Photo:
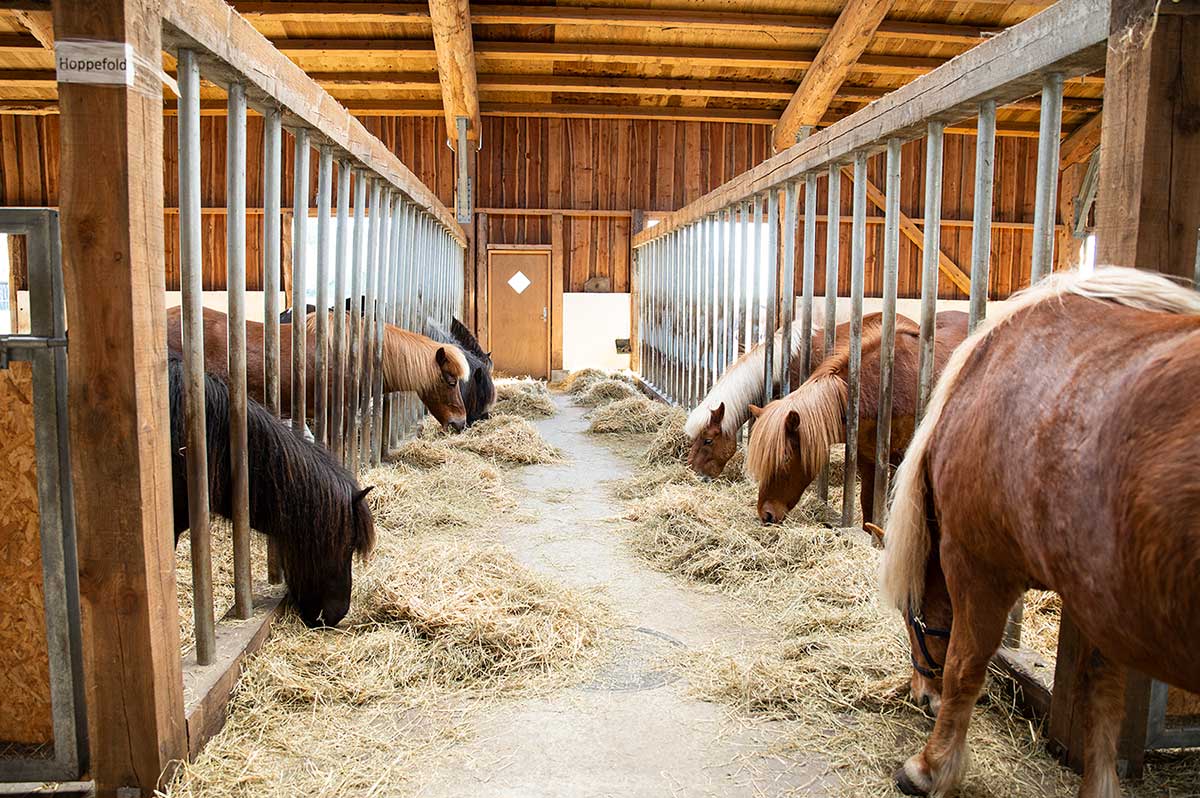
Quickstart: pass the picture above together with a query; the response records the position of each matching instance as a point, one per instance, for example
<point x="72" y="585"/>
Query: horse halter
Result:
<point x="920" y="631"/>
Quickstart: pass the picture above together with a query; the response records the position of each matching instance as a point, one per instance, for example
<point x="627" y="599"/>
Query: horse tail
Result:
<point x="906" y="539"/>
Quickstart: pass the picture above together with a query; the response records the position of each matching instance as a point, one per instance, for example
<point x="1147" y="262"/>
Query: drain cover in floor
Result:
<point x="638" y="663"/>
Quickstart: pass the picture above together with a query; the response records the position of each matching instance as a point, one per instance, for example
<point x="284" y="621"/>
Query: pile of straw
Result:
<point x="524" y="397"/>
<point x="222" y="576"/>
<point x="669" y="445"/>
<point x="579" y="381"/>
<point x="606" y="391"/>
<point x="503" y="439"/>
<point x="634" y="415"/>
<point x="1039" y="626"/>
<point x="443" y="622"/>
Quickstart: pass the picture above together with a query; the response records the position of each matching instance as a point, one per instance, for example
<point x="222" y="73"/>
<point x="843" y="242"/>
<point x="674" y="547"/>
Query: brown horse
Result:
<point x="411" y="362"/>
<point x="791" y="438"/>
<point x="1061" y="450"/>
<point x="712" y="427"/>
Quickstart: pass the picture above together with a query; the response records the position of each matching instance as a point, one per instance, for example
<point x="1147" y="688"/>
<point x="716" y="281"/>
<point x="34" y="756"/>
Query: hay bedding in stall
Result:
<point x="221" y="531"/>
<point x="524" y="397"/>
<point x="443" y="623"/>
<point x="502" y="439"/>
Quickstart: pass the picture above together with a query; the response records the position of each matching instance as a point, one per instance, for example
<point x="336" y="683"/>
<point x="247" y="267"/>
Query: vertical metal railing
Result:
<point x="375" y="257"/>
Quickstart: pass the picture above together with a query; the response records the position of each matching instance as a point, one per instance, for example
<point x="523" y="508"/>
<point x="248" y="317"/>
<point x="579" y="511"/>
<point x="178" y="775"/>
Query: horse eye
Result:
<point x="708" y="441"/>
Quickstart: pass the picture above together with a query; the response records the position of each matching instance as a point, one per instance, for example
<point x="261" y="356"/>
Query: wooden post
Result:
<point x="112" y="247"/>
<point x="1148" y="201"/>
<point x="481" y="281"/>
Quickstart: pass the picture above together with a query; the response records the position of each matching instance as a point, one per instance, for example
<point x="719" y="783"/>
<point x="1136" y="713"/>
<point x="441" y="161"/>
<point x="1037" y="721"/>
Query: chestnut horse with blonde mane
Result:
<point x="411" y="362"/>
<point x="1061" y="450"/>
<point x="792" y="436"/>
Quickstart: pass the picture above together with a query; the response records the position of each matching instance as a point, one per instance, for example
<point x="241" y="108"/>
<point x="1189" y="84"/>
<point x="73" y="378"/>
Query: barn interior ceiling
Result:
<point x="716" y="60"/>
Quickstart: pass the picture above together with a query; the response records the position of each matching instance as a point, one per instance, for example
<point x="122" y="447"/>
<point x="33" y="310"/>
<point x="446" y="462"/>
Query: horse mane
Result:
<point x="478" y="392"/>
<point x="409" y="359"/>
<point x="467" y="340"/>
<point x="295" y="485"/>
<point x="820" y="404"/>
<point x="741" y="384"/>
<point x="906" y="540"/>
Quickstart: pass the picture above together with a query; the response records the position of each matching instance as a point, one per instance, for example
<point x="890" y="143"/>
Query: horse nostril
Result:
<point x="768" y="517"/>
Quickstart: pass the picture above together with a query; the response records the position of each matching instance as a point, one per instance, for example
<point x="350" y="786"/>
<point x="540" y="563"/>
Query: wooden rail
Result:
<point x="1068" y="38"/>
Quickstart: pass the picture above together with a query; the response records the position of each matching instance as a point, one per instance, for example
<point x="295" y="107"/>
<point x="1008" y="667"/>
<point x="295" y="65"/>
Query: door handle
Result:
<point x="545" y="315"/>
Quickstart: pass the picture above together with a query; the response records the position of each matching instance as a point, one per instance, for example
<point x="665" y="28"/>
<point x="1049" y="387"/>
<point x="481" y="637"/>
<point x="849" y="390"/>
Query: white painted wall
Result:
<point x="218" y="300"/>
<point x="591" y="325"/>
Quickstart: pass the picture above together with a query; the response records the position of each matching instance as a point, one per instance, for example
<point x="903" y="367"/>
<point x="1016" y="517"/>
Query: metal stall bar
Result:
<point x="833" y="222"/>
<point x="858" y="258"/>
<point x="337" y="313"/>
<point x="376" y="263"/>
<point x="366" y="248"/>
<point x="704" y="318"/>
<point x="887" y="344"/>
<point x="929" y="264"/>
<point x="652" y="330"/>
<point x="686" y="361"/>
<point x="299" y="384"/>
<point x="747" y="253"/>
<point x="386" y="316"/>
<point x="981" y="226"/>
<point x="399" y="270"/>
<point x="695" y="273"/>
<point x="729" y="266"/>
<point x="755" y="255"/>
<point x="191" y="273"/>
<point x="772" y="321"/>
<point x="808" y="279"/>
<point x="787" y="304"/>
<point x="235" y="265"/>
<point x="1045" y="200"/>
<point x="272" y="167"/>
<point x="373" y="396"/>
<point x="325" y="238"/>
<point x="349" y="319"/>
<point x="676" y="301"/>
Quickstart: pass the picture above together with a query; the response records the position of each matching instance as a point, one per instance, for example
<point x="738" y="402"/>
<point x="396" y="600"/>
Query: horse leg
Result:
<point x="1102" y="686"/>
<point x="866" y="489"/>
<point x="981" y="599"/>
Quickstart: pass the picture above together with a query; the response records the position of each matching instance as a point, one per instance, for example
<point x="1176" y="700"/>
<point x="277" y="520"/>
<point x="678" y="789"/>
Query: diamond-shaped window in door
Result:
<point x="519" y="282"/>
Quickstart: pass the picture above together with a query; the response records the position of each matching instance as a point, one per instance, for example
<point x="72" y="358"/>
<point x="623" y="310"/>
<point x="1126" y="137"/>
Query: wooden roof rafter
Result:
<point x="454" y="44"/>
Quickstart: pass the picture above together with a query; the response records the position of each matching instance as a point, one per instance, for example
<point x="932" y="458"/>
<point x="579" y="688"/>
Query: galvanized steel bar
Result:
<point x="271" y="227"/>
<point x="887" y="344"/>
<point x="191" y="272"/>
<point x="360" y="313"/>
<point x="747" y="270"/>
<point x="325" y="241"/>
<point x="773" y="263"/>
<point x="729" y="266"/>
<point x="858" y="257"/>
<point x="981" y="226"/>
<point x="1045" y="200"/>
<point x="929" y="264"/>
<point x="757" y="266"/>
<point x="337" y="316"/>
<point x="235" y="265"/>
<point x="373" y="402"/>
<point x="299" y="385"/>
<point x="787" y="303"/>
<point x="809" y="277"/>
<point x="359" y="263"/>
<point x="832" y="267"/>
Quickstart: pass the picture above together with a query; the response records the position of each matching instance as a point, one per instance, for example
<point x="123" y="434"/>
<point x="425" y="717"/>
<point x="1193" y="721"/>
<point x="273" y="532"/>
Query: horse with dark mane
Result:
<point x="1061" y="450"/>
<point x="299" y="497"/>
<point x="411" y="362"/>
<point x="791" y="438"/>
<point x="478" y="390"/>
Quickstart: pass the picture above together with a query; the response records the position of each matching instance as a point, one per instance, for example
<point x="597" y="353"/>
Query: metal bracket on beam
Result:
<point x="463" y="199"/>
<point x="1087" y="196"/>
<point x="21" y="347"/>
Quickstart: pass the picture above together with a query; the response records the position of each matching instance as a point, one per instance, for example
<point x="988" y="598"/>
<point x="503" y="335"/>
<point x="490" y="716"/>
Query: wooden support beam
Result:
<point x="456" y="65"/>
<point x="1078" y="147"/>
<point x="112" y="252"/>
<point x="40" y="24"/>
<point x="1148" y="198"/>
<point x="914" y="233"/>
<point x="847" y="40"/>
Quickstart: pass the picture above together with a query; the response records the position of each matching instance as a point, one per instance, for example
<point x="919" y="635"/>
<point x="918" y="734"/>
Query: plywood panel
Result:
<point x="24" y="664"/>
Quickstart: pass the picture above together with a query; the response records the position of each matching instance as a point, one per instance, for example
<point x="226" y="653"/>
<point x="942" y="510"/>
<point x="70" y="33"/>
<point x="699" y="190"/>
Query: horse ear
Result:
<point x="362" y="494"/>
<point x="441" y="356"/>
<point x="876" y="533"/>
<point x="756" y="411"/>
<point x="792" y="422"/>
<point x="716" y="416"/>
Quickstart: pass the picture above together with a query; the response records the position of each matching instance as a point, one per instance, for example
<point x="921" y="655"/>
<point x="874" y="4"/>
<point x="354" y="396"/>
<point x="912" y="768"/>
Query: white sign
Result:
<point x="94" y="62"/>
<point x="519" y="282"/>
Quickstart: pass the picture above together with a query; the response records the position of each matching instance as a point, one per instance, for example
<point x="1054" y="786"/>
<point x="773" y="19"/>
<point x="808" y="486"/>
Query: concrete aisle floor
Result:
<point x="635" y="731"/>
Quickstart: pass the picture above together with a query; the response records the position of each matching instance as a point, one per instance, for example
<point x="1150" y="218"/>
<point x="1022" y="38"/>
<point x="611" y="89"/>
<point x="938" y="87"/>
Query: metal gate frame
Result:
<point x="46" y="348"/>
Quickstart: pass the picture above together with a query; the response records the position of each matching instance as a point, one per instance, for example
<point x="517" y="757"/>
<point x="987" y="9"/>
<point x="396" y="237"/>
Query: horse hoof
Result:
<point x="905" y="784"/>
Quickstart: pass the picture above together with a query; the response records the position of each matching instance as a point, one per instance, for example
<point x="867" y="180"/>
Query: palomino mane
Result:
<point x="906" y="540"/>
<point x="741" y="384"/>
<point x="409" y="358"/>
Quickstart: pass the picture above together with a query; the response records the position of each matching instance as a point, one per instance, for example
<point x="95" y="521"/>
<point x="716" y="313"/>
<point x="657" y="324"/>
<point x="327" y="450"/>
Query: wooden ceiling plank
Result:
<point x="454" y="42"/>
<point x="839" y="53"/>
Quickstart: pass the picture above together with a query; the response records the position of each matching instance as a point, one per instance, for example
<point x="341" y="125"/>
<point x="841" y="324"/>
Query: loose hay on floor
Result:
<point x="222" y="576"/>
<point x="607" y="391"/>
<point x="670" y="445"/>
<point x="633" y="415"/>
<point x="523" y="397"/>
<point x="502" y="439"/>
<point x="580" y="380"/>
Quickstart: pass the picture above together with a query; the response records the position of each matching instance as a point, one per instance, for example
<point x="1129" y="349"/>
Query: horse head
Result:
<point x="711" y="447"/>
<point x="321" y="594"/>
<point x="790" y="443"/>
<point x="442" y="396"/>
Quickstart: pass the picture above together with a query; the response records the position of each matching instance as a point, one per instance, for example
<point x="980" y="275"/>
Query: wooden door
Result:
<point x="519" y="311"/>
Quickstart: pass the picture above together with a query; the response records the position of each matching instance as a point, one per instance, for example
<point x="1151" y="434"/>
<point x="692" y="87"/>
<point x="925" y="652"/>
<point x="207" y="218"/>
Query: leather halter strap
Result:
<point x="921" y="631"/>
